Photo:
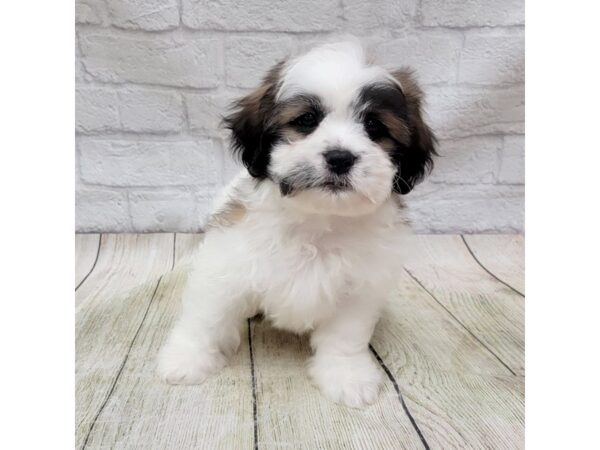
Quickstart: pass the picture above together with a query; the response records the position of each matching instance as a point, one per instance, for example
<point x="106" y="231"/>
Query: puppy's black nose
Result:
<point x="339" y="161"/>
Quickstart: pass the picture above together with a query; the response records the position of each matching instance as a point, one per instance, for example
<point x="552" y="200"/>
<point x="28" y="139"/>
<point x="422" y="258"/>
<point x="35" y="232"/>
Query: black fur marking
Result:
<point x="251" y="142"/>
<point x="413" y="164"/>
<point x="306" y="123"/>
<point x="301" y="177"/>
<point x="412" y="151"/>
<point x="251" y="136"/>
<point x="374" y="128"/>
<point x="382" y="96"/>
<point x="285" y="188"/>
<point x="311" y="114"/>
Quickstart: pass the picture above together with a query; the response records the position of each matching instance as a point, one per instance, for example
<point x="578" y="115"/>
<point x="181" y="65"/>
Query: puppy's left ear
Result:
<point x="251" y="137"/>
<point x="415" y="160"/>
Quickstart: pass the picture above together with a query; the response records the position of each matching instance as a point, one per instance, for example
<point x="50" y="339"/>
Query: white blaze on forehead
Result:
<point x="333" y="72"/>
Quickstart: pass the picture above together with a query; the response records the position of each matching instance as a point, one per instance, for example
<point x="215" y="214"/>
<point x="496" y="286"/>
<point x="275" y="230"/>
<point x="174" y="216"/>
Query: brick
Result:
<point x="493" y="57"/>
<point x="131" y="109"/>
<point x="206" y="110"/>
<point x="99" y="209"/>
<point x="473" y="13"/>
<point x="466" y="208"/>
<point x="360" y="15"/>
<point x="151" y="110"/>
<point x="468" y="55"/>
<point x="90" y="12"/>
<point x="144" y="14"/>
<point x="80" y="74"/>
<point x="173" y="61"/>
<point x="261" y="15"/>
<point x="79" y="71"/>
<point x="467" y="161"/>
<point x="247" y="60"/>
<point x="460" y="112"/>
<point x="150" y="163"/>
<point x="96" y="109"/>
<point x="231" y="166"/>
<point x="204" y="207"/>
<point x="433" y="55"/>
<point x="512" y="166"/>
<point x="155" y="211"/>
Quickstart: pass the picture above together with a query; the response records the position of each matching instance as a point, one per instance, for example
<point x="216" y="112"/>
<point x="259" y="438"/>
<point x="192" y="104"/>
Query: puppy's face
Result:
<point x="336" y="134"/>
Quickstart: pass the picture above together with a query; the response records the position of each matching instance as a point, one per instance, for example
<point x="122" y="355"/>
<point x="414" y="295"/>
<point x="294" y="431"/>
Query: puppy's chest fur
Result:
<point x="301" y="268"/>
<point x="304" y="271"/>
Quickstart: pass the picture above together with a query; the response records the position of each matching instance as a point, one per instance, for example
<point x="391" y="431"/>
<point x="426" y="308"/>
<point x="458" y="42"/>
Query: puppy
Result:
<point x="310" y="234"/>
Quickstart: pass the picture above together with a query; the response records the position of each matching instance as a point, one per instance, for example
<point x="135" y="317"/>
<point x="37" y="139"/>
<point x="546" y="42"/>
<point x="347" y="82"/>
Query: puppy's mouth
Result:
<point x="333" y="185"/>
<point x="336" y="185"/>
<point x="305" y="178"/>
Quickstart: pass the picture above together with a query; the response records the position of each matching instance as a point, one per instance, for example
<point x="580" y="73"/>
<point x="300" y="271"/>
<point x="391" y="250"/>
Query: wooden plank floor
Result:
<point x="451" y="346"/>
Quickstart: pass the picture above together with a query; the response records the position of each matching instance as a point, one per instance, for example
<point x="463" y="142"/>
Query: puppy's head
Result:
<point x="335" y="133"/>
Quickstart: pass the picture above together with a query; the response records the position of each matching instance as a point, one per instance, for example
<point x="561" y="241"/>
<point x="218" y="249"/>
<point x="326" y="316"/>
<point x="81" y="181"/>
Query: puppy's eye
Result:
<point x="374" y="128"/>
<point x="306" y="120"/>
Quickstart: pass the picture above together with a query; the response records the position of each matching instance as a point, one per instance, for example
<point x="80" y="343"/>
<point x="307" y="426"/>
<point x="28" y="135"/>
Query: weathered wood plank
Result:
<point x="491" y="311"/>
<point x="459" y="394"/>
<point x="125" y="261"/>
<point x="292" y="413"/>
<point x="426" y="336"/>
<point x="501" y="254"/>
<point x="110" y="306"/>
<point x="442" y="351"/>
<point x="86" y="252"/>
<point x="465" y="411"/>
<point x="144" y="412"/>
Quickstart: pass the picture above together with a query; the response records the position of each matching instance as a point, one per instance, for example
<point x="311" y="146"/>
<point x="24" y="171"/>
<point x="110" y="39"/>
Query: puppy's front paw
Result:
<point x="178" y="364"/>
<point x="350" y="380"/>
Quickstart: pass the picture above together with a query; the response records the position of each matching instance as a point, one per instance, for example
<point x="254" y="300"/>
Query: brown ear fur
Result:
<point x="252" y="138"/>
<point x="416" y="160"/>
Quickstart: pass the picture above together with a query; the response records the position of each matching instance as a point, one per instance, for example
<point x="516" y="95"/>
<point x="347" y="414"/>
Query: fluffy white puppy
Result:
<point x="311" y="233"/>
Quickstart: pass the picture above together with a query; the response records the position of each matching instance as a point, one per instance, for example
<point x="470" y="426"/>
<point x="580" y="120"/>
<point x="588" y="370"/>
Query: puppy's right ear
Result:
<point x="251" y="134"/>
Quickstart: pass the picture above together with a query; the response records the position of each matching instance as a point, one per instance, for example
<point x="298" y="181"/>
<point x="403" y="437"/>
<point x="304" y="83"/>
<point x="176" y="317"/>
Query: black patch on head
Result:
<point x="416" y="159"/>
<point x="252" y="136"/>
<point x="392" y="115"/>
<point x="382" y="109"/>
<point x="374" y="127"/>
<point x="381" y="97"/>
<point x="308" y="113"/>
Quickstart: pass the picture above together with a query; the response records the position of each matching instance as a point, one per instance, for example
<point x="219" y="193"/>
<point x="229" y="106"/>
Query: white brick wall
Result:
<point x="154" y="76"/>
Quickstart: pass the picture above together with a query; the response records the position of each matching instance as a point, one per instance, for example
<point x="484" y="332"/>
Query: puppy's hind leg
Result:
<point x="208" y="329"/>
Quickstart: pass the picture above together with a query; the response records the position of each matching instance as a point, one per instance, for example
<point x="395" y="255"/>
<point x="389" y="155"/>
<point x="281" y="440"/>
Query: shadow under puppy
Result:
<point x="311" y="234"/>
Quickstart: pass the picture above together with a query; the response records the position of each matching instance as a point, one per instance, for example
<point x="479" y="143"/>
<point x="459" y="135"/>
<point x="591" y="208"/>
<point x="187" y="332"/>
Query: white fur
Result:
<point x="319" y="262"/>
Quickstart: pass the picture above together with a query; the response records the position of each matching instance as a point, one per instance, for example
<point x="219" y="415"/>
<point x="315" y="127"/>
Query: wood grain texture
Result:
<point x="144" y="412"/>
<point x="125" y="262"/>
<point x="110" y="307"/>
<point x="492" y="312"/>
<point x="503" y="255"/>
<point x="426" y="336"/>
<point x="451" y="338"/>
<point x="458" y="393"/>
<point x="292" y="413"/>
<point x="86" y="253"/>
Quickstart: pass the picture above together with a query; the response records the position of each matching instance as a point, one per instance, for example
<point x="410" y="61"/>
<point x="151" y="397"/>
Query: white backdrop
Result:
<point x="153" y="76"/>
